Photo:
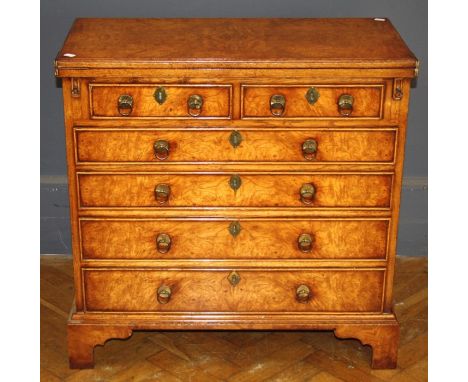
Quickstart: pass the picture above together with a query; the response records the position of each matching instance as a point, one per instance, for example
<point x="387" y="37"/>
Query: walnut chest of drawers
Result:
<point x="234" y="174"/>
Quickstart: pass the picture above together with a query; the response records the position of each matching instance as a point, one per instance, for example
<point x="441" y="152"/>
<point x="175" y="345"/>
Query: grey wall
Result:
<point x="409" y="17"/>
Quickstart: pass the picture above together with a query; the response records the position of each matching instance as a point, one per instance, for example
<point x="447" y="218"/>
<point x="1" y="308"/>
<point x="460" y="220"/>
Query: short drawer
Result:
<point x="154" y="239"/>
<point x="313" y="102"/>
<point x="143" y="101"/>
<point x="331" y="290"/>
<point x="135" y="145"/>
<point x="234" y="190"/>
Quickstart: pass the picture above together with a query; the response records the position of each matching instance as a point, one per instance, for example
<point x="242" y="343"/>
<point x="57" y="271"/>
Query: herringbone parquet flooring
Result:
<point x="233" y="356"/>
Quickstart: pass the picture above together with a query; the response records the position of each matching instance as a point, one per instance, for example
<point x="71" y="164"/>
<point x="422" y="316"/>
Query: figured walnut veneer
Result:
<point x="134" y="145"/>
<point x="333" y="290"/>
<point x="234" y="246"/>
<point x="216" y="100"/>
<point x="198" y="190"/>
<point x="272" y="239"/>
<point x="256" y="101"/>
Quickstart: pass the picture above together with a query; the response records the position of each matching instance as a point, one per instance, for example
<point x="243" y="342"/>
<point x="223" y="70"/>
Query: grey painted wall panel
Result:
<point x="412" y="231"/>
<point x="409" y="17"/>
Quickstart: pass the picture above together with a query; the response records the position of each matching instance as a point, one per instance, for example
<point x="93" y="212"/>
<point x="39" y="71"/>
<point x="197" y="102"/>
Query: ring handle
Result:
<point x="164" y="294"/>
<point x="305" y="242"/>
<point x="161" y="149"/>
<point x="163" y="243"/>
<point x="345" y="104"/>
<point x="303" y="294"/>
<point x="195" y="104"/>
<point x="309" y="149"/>
<point x="277" y="104"/>
<point x="125" y="105"/>
<point x="307" y="193"/>
<point x="162" y="192"/>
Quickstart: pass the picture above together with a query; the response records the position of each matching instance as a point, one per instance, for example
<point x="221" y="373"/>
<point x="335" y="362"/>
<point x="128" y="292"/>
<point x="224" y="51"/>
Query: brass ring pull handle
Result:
<point x="164" y="294"/>
<point x="125" y="105"/>
<point x="161" y="149"/>
<point x="163" y="243"/>
<point x="277" y="105"/>
<point x="309" y="149"/>
<point x="305" y="242"/>
<point x="195" y="104"/>
<point x="162" y="192"/>
<point x="307" y="193"/>
<point x="345" y="104"/>
<point x="303" y="293"/>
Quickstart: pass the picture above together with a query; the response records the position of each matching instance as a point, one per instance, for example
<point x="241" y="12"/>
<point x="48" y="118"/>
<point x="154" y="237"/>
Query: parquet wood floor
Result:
<point x="233" y="356"/>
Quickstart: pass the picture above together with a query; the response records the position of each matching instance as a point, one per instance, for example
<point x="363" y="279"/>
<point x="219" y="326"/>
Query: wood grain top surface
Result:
<point x="268" y="43"/>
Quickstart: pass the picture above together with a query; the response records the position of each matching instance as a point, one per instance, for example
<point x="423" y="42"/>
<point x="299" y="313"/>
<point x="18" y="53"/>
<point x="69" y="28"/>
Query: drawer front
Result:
<point x="140" y="101"/>
<point x="332" y="290"/>
<point x="233" y="190"/>
<point x="133" y="145"/>
<point x="244" y="239"/>
<point x="330" y="101"/>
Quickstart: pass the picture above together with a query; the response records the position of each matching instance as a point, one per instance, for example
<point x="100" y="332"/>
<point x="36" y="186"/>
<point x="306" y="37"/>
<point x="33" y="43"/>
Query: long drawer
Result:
<point x="233" y="239"/>
<point x="146" y="145"/>
<point x="341" y="190"/>
<point x="331" y="290"/>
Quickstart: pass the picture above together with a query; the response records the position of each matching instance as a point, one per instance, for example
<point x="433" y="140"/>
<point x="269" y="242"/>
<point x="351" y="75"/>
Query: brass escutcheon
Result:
<point x="234" y="278"/>
<point x="312" y="95"/>
<point x="234" y="228"/>
<point x="235" y="182"/>
<point x="160" y="95"/>
<point x="235" y="139"/>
